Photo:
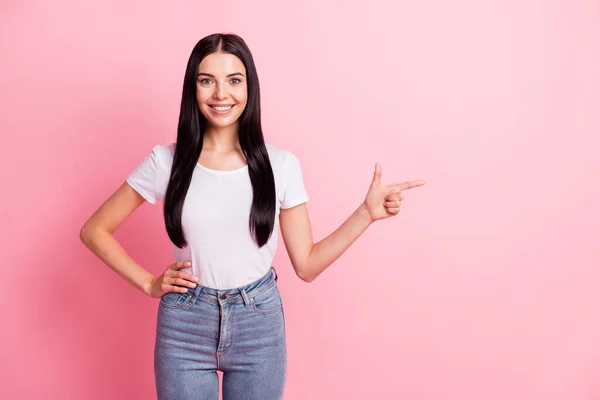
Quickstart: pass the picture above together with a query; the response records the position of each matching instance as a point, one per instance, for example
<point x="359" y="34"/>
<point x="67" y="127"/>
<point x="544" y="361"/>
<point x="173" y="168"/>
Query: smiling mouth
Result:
<point x="222" y="108"/>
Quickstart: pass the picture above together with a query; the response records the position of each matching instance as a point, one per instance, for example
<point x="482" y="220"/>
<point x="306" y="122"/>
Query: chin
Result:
<point x="222" y="122"/>
<point x="221" y="125"/>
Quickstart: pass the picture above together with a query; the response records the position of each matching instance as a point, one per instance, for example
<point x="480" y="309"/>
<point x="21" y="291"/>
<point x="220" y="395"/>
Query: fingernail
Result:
<point x="197" y="279"/>
<point x="187" y="263"/>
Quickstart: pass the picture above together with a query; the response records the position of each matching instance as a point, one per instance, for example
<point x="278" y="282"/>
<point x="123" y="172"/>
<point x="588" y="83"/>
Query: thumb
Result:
<point x="377" y="175"/>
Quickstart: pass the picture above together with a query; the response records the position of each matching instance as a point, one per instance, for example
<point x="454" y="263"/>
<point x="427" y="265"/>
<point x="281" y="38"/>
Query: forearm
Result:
<point x="326" y="251"/>
<point x="108" y="249"/>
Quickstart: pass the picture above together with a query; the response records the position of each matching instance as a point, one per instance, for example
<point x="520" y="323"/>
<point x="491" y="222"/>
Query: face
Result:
<point x="221" y="89"/>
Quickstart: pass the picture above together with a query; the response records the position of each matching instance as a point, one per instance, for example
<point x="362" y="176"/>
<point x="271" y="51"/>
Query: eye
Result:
<point x="205" y="81"/>
<point x="235" y="81"/>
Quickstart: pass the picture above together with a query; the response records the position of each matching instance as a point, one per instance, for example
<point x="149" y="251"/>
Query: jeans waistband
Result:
<point x="242" y="293"/>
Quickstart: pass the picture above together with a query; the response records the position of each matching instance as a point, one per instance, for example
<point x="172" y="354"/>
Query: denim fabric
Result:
<point x="240" y="332"/>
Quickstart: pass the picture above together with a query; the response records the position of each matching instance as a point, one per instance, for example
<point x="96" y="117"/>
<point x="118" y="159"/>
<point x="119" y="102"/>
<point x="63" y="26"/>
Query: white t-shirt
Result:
<point x="216" y="214"/>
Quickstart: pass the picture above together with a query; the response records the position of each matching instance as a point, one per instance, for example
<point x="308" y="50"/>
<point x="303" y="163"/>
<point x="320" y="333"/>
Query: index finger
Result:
<point x="408" y="185"/>
<point x="180" y="264"/>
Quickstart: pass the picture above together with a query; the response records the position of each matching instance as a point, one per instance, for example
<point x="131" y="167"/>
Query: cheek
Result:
<point x="202" y="95"/>
<point x="240" y="96"/>
<point x="242" y="104"/>
<point x="201" y="99"/>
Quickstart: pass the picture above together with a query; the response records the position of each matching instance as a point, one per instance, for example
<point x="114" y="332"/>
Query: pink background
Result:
<point x="487" y="284"/>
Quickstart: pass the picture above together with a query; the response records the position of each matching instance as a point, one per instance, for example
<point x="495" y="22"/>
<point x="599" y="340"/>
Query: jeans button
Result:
<point x="223" y="296"/>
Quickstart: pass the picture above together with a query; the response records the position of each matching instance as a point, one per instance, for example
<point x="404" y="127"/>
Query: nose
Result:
<point x="220" y="91"/>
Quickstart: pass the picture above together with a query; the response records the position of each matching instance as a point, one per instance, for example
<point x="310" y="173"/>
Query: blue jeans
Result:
<point x="240" y="332"/>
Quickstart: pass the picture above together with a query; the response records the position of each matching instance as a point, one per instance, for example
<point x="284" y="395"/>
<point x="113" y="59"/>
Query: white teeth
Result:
<point x="218" y="108"/>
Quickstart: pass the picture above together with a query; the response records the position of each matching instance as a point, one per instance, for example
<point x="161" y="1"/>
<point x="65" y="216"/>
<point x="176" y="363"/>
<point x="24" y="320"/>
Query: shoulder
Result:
<point x="166" y="150"/>
<point x="278" y="156"/>
<point x="163" y="153"/>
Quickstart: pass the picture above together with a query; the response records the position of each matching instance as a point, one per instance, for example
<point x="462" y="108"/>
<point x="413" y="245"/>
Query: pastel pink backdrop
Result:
<point x="487" y="284"/>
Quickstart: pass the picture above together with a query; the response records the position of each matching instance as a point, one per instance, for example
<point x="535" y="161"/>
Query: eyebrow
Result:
<point x="212" y="76"/>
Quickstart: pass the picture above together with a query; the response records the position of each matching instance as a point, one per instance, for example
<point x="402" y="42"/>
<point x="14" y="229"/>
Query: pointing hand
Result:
<point x="384" y="201"/>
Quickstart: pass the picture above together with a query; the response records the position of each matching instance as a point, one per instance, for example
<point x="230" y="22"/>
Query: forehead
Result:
<point x="221" y="64"/>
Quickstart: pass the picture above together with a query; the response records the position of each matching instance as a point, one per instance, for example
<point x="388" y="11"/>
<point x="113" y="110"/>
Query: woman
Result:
<point x="225" y="192"/>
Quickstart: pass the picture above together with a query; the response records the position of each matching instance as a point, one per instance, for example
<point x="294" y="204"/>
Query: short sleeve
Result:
<point x="294" y="192"/>
<point x="144" y="178"/>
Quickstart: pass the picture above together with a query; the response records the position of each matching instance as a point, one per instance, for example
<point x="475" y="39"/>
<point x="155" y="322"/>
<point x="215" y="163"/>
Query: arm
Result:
<point x="311" y="259"/>
<point x="97" y="232"/>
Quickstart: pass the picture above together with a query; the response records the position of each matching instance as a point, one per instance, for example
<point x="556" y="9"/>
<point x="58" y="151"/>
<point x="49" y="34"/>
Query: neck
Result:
<point x="221" y="139"/>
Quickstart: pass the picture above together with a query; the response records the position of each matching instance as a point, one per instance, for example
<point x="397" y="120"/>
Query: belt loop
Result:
<point x="245" y="296"/>
<point x="195" y="295"/>
<point x="273" y="268"/>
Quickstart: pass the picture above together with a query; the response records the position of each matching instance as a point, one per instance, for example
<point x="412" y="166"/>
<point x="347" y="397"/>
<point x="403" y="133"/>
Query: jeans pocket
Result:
<point x="174" y="299"/>
<point x="267" y="302"/>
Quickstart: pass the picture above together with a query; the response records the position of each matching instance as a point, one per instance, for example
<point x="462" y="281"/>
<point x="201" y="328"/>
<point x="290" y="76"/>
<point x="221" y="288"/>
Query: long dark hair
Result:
<point x="190" y="135"/>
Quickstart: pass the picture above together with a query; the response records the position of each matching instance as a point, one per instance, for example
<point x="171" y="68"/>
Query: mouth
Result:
<point x="221" y="109"/>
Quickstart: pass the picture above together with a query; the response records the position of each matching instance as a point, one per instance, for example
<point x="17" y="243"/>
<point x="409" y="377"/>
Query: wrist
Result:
<point x="147" y="285"/>
<point x="363" y="213"/>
